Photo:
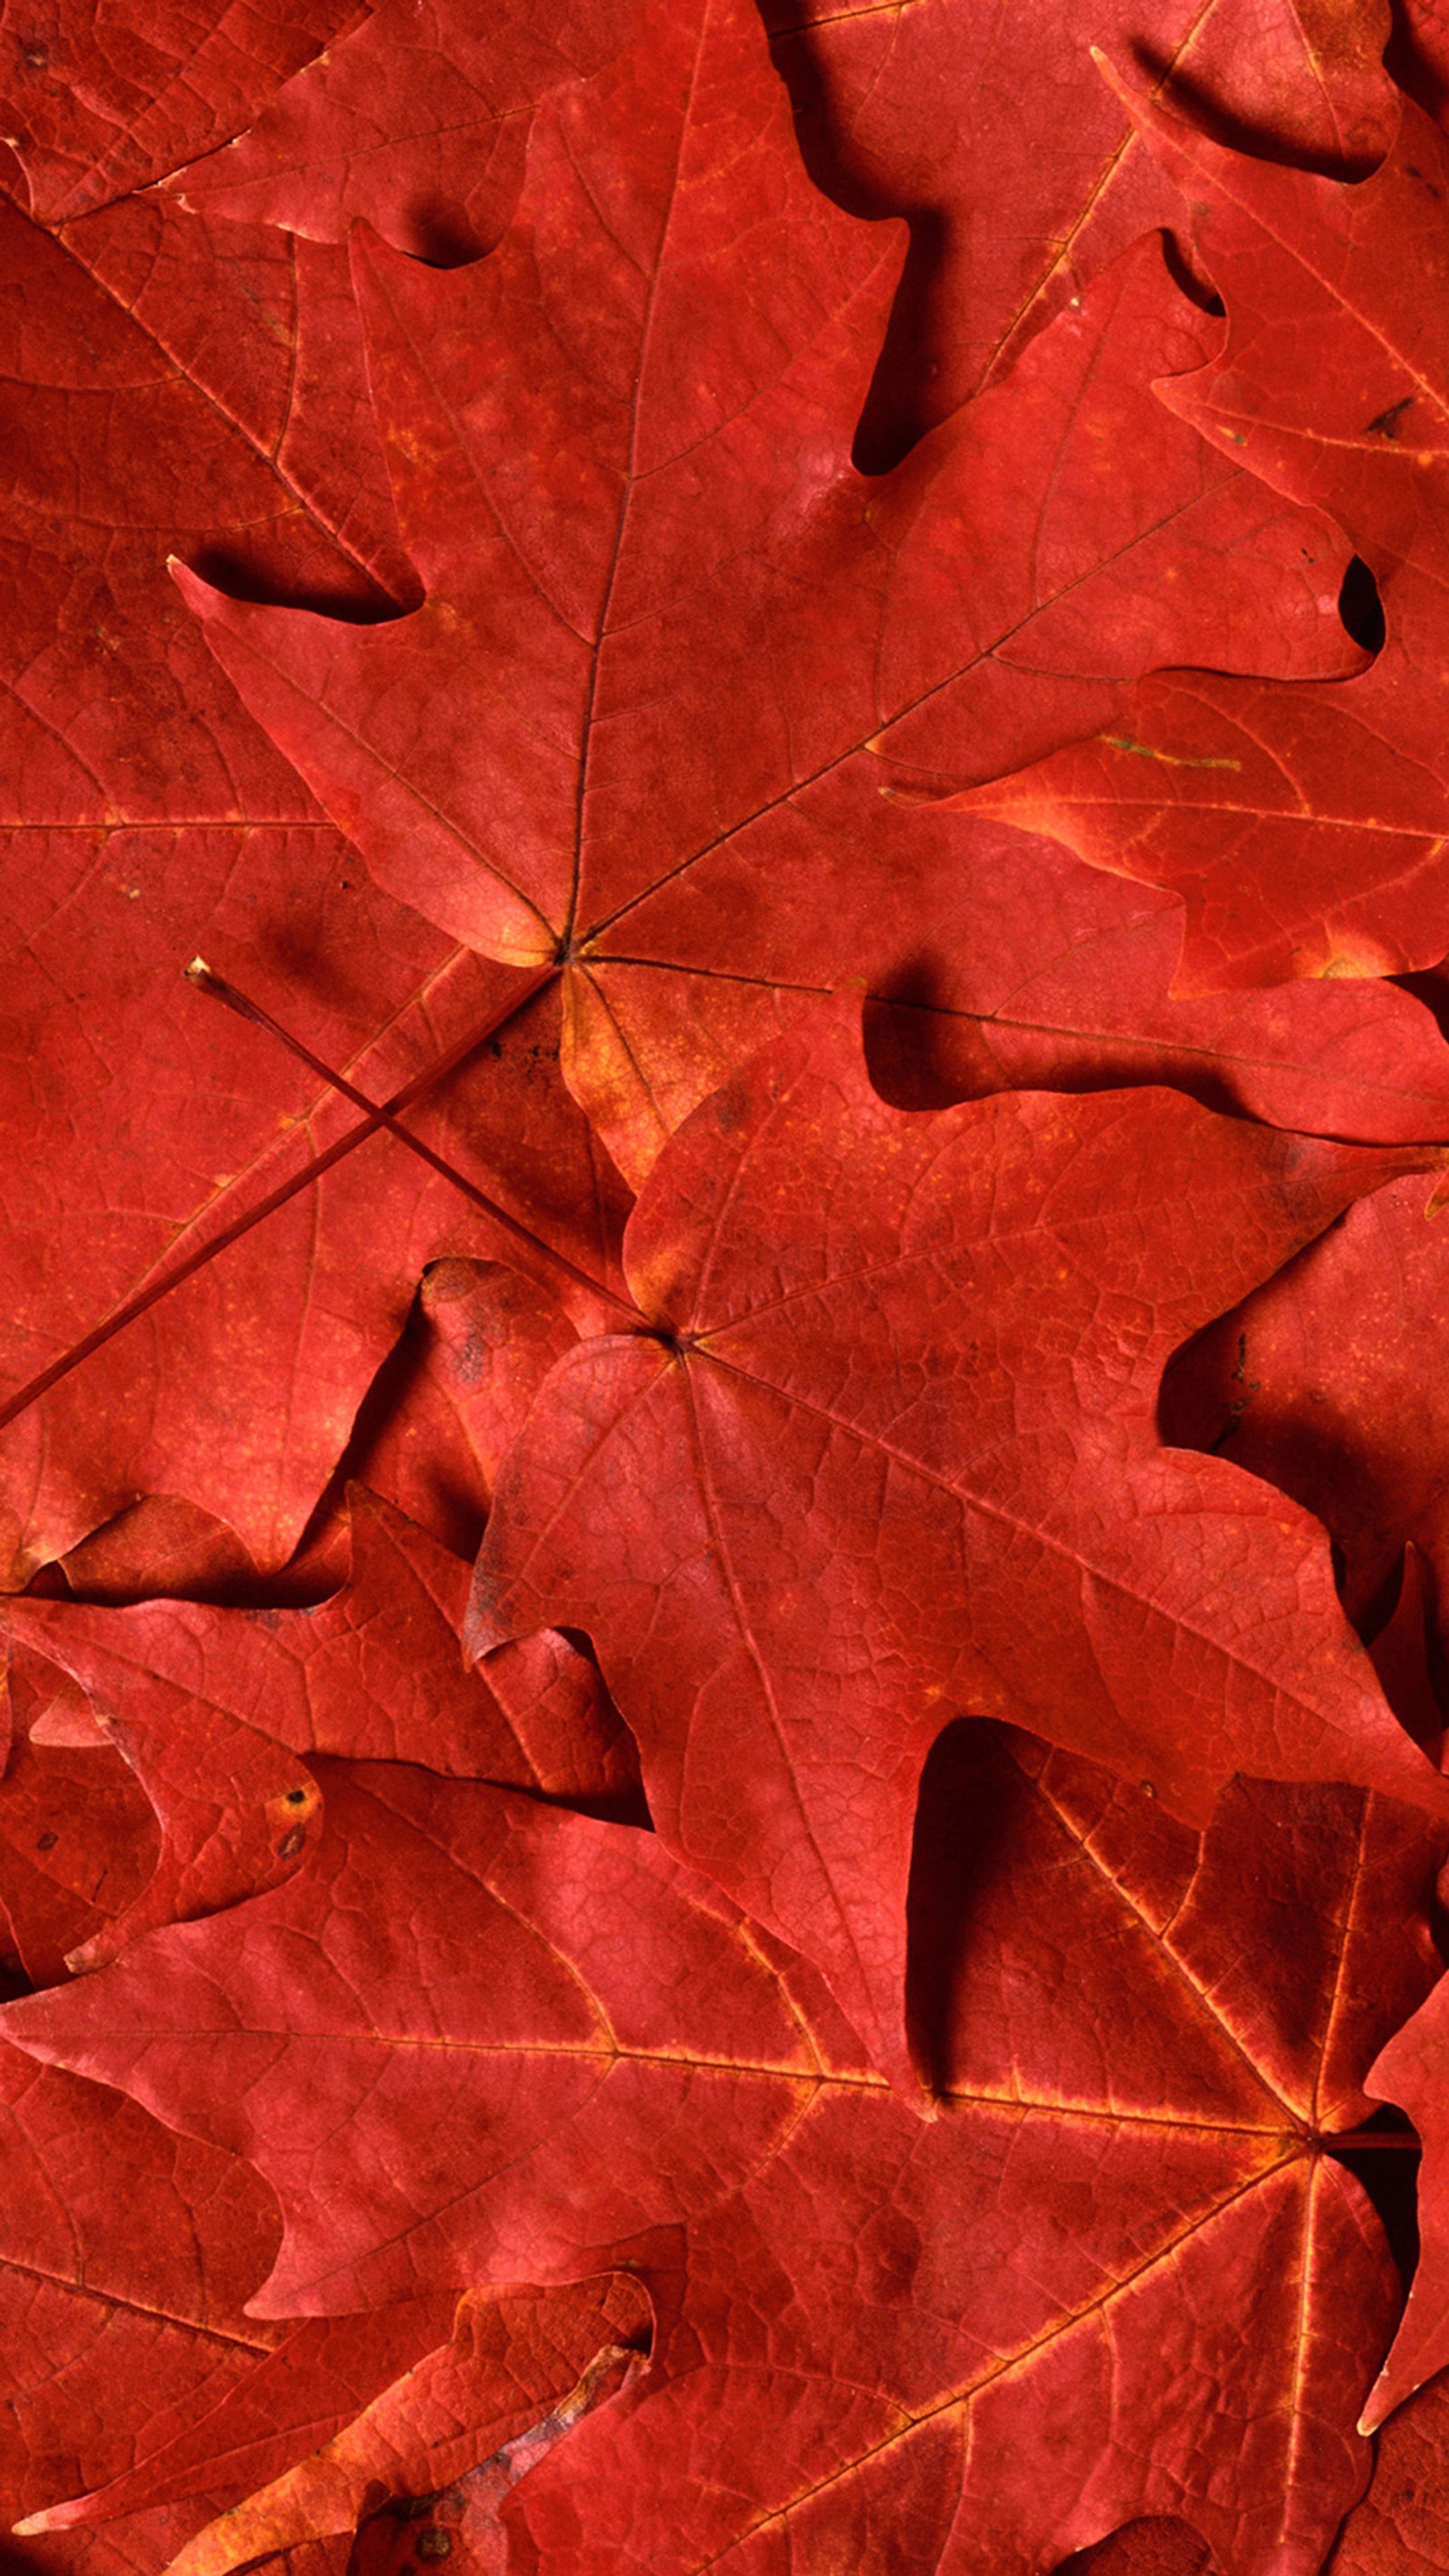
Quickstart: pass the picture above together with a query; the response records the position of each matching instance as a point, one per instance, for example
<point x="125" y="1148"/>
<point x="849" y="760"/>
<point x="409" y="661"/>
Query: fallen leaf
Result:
<point x="1352" y="275"/>
<point x="1401" y="2527"/>
<point x="512" y="2359"/>
<point x="956" y="117"/>
<point x="1304" y="830"/>
<point x="1154" y="2199"/>
<point x="458" y="1387"/>
<point x="1326" y="1381"/>
<point x="1048" y="975"/>
<point x="115" y="2334"/>
<point x="547" y="759"/>
<point x="887" y="1455"/>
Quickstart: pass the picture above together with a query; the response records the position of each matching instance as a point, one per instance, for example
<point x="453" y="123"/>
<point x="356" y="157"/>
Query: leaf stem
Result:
<point x="199" y="974"/>
<point x="146" y="1298"/>
<point x="1360" y="2140"/>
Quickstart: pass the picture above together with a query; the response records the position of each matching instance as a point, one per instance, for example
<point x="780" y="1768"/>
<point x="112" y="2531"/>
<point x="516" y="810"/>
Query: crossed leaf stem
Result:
<point x="379" y="1115"/>
<point x="202" y="977"/>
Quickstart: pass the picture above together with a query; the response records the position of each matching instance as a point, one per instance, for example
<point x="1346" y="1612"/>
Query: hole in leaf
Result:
<point x="1360" y="609"/>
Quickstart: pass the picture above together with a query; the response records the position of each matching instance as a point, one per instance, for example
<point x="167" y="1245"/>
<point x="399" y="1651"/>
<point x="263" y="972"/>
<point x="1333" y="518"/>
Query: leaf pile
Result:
<point x="723" y="1452"/>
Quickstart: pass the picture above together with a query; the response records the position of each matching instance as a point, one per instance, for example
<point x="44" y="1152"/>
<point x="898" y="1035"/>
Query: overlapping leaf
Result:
<point x="1305" y="829"/>
<point x="687" y="535"/>
<point x="880" y="1447"/>
<point x="510" y="2358"/>
<point x="418" y="121"/>
<point x="887" y="1455"/>
<point x="884" y="2295"/>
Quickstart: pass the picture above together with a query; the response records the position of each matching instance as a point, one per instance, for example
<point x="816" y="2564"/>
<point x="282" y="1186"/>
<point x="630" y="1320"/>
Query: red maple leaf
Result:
<point x="887" y="1452"/>
<point x="546" y="757"/>
<point x="819" y="2260"/>
<point x="858" y="1422"/>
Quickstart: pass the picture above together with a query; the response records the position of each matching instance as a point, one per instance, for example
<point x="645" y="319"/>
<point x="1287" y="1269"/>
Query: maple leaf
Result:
<point x="292" y="2398"/>
<point x="79" y="1836"/>
<point x="889" y="1455"/>
<point x="546" y="758"/>
<point x="399" y="123"/>
<point x="459" y="1387"/>
<point x="475" y="2043"/>
<point x="200" y="1699"/>
<point x="1305" y="829"/>
<point x="689" y="2080"/>
<point x="199" y="388"/>
<point x="992" y="262"/>
<point x="304" y="1320"/>
<point x="1308" y="267"/>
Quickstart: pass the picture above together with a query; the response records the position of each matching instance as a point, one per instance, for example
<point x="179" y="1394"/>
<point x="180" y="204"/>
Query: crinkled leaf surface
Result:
<point x="889" y="1456"/>
<point x="896" y="2282"/>
<point x="547" y="757"/>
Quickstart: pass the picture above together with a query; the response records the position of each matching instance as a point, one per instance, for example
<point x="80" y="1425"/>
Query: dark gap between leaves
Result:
<point x="247" y="579"/>
<point x="1390" y="2181"/>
